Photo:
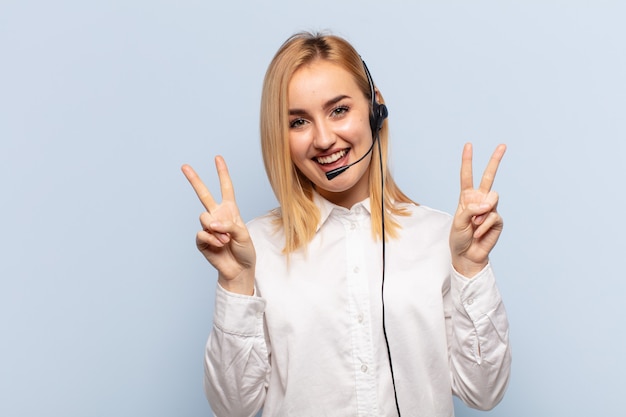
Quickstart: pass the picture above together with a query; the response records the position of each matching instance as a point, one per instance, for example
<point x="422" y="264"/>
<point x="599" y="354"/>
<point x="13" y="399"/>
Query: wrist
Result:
<point x="467" y="268"/>
<point x="243" y="284"/>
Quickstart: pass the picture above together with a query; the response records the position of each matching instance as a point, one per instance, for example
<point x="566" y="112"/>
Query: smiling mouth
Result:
<point x="329" y="159"/>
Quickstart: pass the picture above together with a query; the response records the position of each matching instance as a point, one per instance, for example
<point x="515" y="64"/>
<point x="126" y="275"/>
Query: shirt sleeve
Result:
<point x="236" y="370"/>
<point x="478" y="339"/>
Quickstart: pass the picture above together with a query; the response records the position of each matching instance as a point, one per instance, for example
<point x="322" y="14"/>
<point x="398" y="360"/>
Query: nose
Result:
<point x="324" y="137"/>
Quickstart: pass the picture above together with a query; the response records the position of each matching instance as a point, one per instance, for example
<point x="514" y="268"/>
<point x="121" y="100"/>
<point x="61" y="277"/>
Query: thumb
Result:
<point x="230" y="230"/>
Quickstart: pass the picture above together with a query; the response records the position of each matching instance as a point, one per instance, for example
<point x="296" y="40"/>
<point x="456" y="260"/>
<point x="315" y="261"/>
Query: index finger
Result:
<point x="492" y="167"/>
<point x="202" y="192"/>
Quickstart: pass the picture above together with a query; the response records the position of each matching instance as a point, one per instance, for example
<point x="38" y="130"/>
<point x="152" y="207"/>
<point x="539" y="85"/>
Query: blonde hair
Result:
<point x="298" y="215"/>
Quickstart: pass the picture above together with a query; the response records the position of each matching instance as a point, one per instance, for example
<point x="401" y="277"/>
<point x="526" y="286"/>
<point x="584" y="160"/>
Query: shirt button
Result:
<point x="470" y="301"/>
<point x="363" y="368"/>
<point x="352" y="226"/>
<point x="356" y="269"/>
<point x="360" y="318"/>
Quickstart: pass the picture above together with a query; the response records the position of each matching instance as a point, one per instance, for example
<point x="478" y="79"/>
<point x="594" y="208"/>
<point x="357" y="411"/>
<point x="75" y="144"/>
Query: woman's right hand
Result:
<point x="224" y="239"/>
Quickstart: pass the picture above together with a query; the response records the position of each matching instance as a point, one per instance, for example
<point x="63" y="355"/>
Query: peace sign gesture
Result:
<point x="477" y="225"/>
<point x="224" y="239"/>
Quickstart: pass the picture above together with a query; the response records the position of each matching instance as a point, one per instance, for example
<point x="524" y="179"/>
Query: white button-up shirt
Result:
<point x="310" y="341"/>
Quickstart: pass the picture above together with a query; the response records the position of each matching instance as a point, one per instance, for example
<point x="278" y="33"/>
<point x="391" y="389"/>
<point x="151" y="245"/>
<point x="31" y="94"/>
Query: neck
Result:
<point x="349" y="198"/>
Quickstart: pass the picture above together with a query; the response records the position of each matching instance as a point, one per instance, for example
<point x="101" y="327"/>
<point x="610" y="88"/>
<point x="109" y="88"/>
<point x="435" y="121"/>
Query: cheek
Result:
<point x="298" y="147"/>
<point x="354" y="128"/>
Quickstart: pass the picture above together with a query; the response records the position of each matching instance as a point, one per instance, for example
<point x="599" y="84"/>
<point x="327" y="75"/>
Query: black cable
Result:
<point x="382" y="289"/>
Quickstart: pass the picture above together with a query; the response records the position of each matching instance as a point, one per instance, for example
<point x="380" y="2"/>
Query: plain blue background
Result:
<point x="105" y="304"/>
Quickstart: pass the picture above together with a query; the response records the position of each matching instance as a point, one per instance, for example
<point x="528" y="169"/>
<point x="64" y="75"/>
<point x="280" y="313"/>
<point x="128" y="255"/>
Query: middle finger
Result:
<point x="492" y="167"/>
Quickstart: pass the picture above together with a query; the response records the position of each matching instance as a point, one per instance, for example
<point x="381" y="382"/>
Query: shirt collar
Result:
<point x="327" y="208"/>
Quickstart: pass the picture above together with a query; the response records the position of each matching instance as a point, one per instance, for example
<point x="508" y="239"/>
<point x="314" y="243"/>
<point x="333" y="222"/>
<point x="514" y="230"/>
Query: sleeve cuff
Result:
<point x="238" y="314"/>
<point x="477" y="296"/>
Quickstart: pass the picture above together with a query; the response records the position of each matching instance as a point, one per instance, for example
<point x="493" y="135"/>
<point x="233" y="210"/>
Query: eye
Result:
<point x="339" y="111"/>
<point x="296" y="123"/>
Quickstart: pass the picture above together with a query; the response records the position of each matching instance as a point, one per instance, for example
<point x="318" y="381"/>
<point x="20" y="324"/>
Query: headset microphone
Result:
<point x="377" y="117"/>
<point x="333" y="173"/>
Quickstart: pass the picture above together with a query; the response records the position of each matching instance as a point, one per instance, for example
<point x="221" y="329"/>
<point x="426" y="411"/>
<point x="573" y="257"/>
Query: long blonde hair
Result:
<point x="298" y="215"/>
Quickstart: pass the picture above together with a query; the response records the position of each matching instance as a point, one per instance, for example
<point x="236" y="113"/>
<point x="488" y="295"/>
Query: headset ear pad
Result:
<point x="379" y="114"/>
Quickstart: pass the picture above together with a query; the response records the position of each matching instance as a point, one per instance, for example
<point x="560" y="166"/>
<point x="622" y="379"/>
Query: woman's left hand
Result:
<point x="477" y="225"/>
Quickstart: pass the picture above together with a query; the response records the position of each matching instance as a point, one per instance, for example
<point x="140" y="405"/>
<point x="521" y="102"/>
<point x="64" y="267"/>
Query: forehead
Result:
<point x="321" y="79"/>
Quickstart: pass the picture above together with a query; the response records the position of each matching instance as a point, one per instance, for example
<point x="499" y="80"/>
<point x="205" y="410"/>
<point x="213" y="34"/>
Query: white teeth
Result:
<point x="331" y="158"/>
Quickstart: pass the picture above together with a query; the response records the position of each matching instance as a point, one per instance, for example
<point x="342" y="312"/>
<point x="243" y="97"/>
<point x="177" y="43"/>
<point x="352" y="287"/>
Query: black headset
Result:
<point x="379" y="111"/>
<point x="377" y="117"/>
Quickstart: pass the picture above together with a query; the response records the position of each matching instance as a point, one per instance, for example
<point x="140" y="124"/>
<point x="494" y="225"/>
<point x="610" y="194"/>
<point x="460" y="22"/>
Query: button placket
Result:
<point x="357" y="231"/>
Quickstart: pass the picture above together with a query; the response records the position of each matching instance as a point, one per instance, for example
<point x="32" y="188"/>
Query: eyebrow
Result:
<point x="328" y="104"/>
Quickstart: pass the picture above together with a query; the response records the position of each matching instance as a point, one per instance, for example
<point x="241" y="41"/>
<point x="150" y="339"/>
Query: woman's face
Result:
<point x="329" y="128"/>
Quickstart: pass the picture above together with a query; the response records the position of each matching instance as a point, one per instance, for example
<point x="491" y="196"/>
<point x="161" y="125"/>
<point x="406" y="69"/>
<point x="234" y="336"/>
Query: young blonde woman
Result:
<point x="331" y="305"/>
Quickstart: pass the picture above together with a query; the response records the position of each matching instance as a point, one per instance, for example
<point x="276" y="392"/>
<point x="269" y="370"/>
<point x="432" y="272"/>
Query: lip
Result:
<point x="333" y="165"/>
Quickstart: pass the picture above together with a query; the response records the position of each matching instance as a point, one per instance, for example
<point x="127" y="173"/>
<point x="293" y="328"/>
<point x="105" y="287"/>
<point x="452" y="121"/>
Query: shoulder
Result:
<point x="423" y="221"/>
<point x="266" y="228"/>
<point x="420" y="213"/>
